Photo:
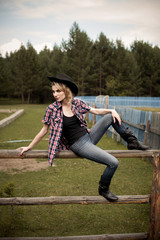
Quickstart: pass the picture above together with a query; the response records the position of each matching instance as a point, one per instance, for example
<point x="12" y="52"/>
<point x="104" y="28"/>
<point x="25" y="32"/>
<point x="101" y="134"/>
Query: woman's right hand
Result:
<point x="24" y="149"/>
<point x="37" y="138"/>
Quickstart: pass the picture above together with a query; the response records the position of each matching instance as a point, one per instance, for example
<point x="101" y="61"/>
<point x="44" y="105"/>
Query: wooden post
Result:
<point x="155" y="200"/>
<point x="113" y="128"/>
<point x="86" y="116"/>
<point x="94" y="117"/>
<point x="118" y="138"/>
<point x="146" y="132"/>
<point x="106" y="101"/>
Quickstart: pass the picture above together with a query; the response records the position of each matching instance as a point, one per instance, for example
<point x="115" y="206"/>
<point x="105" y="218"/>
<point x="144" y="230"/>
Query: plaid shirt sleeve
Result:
<point x="82" y="107"/>
<point x="47" y="116"/>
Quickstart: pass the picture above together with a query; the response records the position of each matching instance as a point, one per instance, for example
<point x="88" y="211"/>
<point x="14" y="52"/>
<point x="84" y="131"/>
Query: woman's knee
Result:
<point x="108" y="118"/>
<point x="115" y="163"/>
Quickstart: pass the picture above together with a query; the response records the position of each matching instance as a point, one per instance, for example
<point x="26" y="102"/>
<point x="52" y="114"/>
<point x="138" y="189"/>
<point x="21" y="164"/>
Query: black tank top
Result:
<point x="72" y="129"/>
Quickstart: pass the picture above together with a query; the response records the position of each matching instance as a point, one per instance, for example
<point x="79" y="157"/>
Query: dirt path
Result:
<point x="22" y="165"/>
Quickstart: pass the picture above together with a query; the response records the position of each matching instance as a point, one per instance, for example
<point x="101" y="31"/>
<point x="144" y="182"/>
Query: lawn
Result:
<point x="147" y="109"/>
<point x="70" y="177"/>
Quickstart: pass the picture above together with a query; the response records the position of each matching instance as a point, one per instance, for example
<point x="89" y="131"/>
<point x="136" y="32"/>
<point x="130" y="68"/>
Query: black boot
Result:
<point x="105" y="192"/>
<point x="132" y="141"/>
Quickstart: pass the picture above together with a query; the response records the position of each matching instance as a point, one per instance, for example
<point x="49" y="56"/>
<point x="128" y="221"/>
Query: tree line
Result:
<point x="100" y="67"/>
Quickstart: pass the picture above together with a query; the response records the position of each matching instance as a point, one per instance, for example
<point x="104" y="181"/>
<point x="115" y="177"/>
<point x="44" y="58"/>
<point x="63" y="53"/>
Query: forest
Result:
<point x="100" y="67"/>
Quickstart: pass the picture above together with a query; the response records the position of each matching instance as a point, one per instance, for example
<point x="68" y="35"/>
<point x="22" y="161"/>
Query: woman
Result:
<point x="68" y="130"/>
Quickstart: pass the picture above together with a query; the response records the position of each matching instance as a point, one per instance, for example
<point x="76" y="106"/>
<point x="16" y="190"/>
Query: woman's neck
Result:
<point x="66" y="103"/>
<point x="67" y="109"/>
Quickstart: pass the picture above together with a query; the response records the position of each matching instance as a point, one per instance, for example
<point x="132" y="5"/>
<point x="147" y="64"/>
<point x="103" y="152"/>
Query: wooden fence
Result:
<point x="144" y="125"/>
<point x="153" y="198"/>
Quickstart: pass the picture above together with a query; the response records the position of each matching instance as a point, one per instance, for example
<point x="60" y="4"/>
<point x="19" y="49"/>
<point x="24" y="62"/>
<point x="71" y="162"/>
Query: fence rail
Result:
<point x="8" y="153"/>
<point x="153" y="198"/>
<point x="128" y="236"/>
<point x="84" y="200"/>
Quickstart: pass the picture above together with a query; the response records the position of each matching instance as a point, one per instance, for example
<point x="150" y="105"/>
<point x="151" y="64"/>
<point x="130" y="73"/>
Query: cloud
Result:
<point x="15" y="45"/>
<point x="11" y="46"/>
<point x="144" y="11"/>
<point x="140" y="33"/>
<point x="46" y="35"/>
<point x="39" y="47"/>
<point x="127" y="20"/>
<point x="142" y="14"/>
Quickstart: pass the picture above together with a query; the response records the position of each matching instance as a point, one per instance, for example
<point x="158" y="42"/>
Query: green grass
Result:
<point x="147" y="109"/>
<point x="9" y="101"/>
<point x="71" y="177"/>
<point x="4" y="115"/>
<point x="25" y="127"/>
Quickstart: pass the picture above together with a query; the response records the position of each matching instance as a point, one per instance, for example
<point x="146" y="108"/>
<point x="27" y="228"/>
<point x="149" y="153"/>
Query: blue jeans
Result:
<point x="86" y="146"/>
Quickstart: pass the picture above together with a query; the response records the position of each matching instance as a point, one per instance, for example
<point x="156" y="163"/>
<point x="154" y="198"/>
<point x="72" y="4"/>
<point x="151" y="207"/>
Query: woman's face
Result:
<point x="59" y="95"/>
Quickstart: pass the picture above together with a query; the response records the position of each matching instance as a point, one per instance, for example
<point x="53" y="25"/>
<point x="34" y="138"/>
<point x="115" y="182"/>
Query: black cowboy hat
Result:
<point x="63" y="78"/>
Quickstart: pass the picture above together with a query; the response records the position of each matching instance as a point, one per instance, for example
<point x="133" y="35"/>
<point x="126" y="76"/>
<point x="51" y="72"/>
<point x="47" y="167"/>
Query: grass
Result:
<point x="23" y="128"/>
<point x="4" y="115"/>
<point x="70" y="177"/>
<point x="147" y="109"/>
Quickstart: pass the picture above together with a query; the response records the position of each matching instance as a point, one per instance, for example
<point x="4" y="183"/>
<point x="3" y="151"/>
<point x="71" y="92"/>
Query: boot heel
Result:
<point x="106" y="193"/>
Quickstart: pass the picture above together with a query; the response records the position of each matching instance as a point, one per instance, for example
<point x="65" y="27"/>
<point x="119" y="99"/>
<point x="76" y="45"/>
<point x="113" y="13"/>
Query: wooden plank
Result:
<point x="139" y="126"/>
<point x="155" y="130"/>
<point x="84" y="200"/>
<point x="147" y="132"/>
<point x="155" y="201"/>
<point x="8" y="153"/>
<point x="94" y="116"/>
<point x="4" y="122"/>
<point x="126" y="236"/>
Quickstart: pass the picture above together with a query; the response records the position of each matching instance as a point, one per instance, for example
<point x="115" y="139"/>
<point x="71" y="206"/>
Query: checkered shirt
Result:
<point x="54" y="117"/>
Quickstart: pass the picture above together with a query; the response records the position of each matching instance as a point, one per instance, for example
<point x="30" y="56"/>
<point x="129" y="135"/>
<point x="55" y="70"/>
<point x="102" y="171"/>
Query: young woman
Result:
<point x="68" y="130"/>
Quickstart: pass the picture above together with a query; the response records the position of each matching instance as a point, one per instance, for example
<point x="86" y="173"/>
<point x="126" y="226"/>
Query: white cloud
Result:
<point x="45" y="35"/>
<point x="11" y="46"/>
<point x="142" y="14"/>
<point x="141" y="33"/>
<point x="130" y="19"/>
<point x="40" y="46"/>
<point x="101" y="10"/>
<point x="15" y="44"/>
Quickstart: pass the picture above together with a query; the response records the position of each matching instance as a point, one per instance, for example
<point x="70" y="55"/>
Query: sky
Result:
<point x="48" y="22"/>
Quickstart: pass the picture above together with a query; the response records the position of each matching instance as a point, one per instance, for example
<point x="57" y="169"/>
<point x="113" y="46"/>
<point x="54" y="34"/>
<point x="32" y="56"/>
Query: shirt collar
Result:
<point x="59" y="104"/>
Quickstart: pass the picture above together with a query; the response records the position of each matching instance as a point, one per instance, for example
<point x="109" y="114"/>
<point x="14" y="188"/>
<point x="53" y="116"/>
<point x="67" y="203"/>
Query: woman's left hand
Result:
<point x="116" y="116"/>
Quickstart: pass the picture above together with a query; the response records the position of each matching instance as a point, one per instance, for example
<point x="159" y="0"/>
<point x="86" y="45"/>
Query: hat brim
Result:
<point x="73" y="87"/>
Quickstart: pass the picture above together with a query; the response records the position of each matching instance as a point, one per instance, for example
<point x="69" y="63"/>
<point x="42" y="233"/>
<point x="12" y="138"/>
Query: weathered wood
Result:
<point x="146" y="132"/>
<point x="106" y="101"/>
<point x="5" y="153"/>
<point x="155" y="196"/>
<point x="155" y="201"/>
<point x="4" y="122"/>
<point x="139" y="126"/>
<point x="156" y="131"/>
<point x="94" y="116"/>
<point x="127" y="236"/>
<point x="113" y="127"/>
<point x="154" y="135"/>
<point x="84" y="200"/>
